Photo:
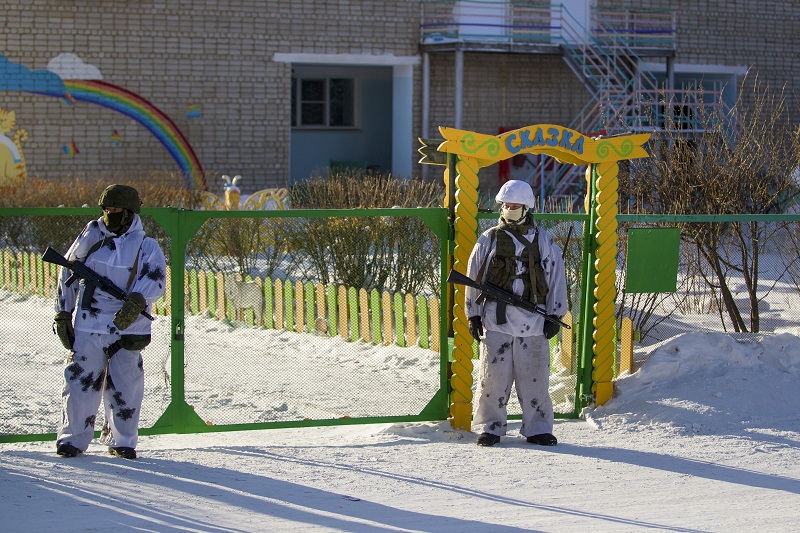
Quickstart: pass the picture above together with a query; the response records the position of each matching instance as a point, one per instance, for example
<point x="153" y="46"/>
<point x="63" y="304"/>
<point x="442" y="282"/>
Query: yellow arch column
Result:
<point x="605" y="344"/>
<point x="466" y="227"/>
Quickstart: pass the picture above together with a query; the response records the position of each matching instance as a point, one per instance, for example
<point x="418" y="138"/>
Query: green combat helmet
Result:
<point x="121" y="196"/>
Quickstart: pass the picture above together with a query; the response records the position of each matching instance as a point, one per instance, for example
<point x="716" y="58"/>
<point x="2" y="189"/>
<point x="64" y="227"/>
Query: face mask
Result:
<point x="112" y="220"/>
<point x="512" y="215"/>
<point x="116" y="221"/>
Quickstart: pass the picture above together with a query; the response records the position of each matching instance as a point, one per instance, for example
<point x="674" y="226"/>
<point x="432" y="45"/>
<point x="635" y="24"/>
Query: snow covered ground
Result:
<point x="704" y="437"/>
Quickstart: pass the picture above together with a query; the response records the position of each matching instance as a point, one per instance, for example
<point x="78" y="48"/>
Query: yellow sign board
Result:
<point x="564" y="144"/>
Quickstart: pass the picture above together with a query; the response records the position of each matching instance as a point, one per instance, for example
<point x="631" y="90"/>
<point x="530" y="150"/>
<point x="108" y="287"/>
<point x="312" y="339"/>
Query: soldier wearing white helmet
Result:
<point x="522" y="258"/>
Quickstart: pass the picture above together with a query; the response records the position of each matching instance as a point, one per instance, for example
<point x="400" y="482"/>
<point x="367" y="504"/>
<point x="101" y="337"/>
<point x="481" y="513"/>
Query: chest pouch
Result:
<point x="502" y="269"/>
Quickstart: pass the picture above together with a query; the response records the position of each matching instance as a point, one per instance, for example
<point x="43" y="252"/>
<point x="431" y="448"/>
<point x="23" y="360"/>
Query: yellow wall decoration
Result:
<point x="601" y="154"/>
<point x="12" y="161"/>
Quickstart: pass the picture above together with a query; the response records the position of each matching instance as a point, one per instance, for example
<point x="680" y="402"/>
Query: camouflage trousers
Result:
<point x="523" y="362"/>
<point x="89" y="377"/>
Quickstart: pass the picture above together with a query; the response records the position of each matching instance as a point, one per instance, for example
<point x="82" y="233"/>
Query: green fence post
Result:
<point x="211" y="288"/>
<point x="422" y="314"/>
<point x="179" y="416"/>
<point x="269" y="308"/>
<point x="249" y="313"/>
<point x="585" y="340"/>
<point x="194" y="293"/>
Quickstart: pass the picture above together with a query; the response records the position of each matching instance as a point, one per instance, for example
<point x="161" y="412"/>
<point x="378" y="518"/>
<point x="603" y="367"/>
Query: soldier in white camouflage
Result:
<point x="105" y="335"/>
<point x="519" y="256"/>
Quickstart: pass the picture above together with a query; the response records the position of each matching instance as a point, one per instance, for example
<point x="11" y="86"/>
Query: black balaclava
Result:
<point x="118" y="223"/>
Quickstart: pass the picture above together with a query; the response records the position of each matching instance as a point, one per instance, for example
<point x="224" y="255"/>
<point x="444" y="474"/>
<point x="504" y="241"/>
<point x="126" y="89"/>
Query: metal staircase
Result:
<point x="611" y="71"/>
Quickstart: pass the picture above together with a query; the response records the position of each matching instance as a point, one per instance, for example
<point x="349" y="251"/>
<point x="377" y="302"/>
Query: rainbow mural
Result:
<point x="157" y="122"/>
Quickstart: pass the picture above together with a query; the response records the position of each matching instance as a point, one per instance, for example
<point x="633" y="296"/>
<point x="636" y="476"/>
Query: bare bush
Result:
<point x="399" y="254"/>
<point x="157" y="189"/>
<point x="738" y="162"/>
<point x="353" y="189"/>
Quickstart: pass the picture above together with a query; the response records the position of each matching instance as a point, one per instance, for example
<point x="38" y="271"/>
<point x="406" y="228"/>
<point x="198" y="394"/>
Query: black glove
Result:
<point x="62" y="325"/>
<point x="551" y="329"/>
<point x="476" y="327"/>
<point x="134" y="304"/>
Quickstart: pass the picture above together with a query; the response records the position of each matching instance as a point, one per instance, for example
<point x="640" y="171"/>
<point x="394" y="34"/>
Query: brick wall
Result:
<point x="217" y="54"/>
<point x="504" y="90"/>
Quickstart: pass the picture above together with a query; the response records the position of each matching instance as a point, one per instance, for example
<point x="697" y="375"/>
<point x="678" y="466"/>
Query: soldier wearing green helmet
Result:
<point x="119" y="204"/>
<point x="105" y="335"/>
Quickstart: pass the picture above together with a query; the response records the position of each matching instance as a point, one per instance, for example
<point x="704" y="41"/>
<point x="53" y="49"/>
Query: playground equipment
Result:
<point x="259" y="200"/>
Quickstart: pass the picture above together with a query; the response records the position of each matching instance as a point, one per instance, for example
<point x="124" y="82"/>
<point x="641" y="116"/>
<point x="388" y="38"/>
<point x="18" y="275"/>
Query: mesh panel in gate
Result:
<point x="333" y="317"/>
<point x="33" y="357"/>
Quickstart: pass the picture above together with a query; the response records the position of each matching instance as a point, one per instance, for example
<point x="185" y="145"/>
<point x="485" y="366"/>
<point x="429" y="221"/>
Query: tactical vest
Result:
<point x="502" y="269"/>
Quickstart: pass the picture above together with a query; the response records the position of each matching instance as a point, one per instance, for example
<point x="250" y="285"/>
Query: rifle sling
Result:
<point x="133" y="343"/>
<point x="96" y="246"/>
<point x="500" y="312"/>
<point x="134" y="269"/>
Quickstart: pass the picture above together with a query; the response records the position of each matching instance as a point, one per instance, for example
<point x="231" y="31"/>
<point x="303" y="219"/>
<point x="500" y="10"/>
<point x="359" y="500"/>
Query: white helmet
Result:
<point x="516" y="192"/>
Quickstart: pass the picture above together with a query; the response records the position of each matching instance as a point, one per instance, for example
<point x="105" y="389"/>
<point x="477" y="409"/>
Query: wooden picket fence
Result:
<point x="304" y="307"/>
<point x="26" y="273"/>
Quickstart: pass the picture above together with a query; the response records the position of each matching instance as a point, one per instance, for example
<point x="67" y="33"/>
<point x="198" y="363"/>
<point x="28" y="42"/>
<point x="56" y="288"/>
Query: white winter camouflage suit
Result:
<point x="89" y="374"/>
<point x="517" y="351"/>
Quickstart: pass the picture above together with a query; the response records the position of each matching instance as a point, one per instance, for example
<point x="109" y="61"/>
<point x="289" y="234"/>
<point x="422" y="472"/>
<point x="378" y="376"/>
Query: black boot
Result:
<point x="543" y="439"/>
<point x="487" y="439"/>
<point x="65" y="449"/>
<point x="123" y="451"/>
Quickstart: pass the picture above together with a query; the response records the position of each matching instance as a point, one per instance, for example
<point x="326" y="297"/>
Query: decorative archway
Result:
<point x="471" y="151"/>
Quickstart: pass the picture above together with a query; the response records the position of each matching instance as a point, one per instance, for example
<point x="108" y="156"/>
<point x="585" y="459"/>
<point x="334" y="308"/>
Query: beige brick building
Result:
<point x="279" y="90"/>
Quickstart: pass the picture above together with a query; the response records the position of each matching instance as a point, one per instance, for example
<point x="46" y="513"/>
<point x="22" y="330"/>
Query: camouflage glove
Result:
<point x="551" y="329"/>
<point x="134" y="304"/>
<point x="476" y="327"/>
<point x="62" y="325"/>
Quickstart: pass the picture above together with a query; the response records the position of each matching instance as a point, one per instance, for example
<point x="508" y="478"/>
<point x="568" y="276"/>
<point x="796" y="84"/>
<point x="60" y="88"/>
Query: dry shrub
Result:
<point x="737" y="161"/>
<point x="398" y="254"/>
<point x="248" y="246"/>
<point x="35" y="233"/>
<point x="352" y="189"/>
<point x="158" y="189"/>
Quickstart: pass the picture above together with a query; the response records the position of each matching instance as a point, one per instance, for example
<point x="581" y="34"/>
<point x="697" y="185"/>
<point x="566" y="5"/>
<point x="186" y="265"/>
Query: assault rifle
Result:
<point x="490" y="290"/>
<point x="91" y="278"/>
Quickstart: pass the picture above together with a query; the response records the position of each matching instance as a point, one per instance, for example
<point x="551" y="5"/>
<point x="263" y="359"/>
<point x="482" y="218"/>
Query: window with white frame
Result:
<point x="323" y="102"/>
